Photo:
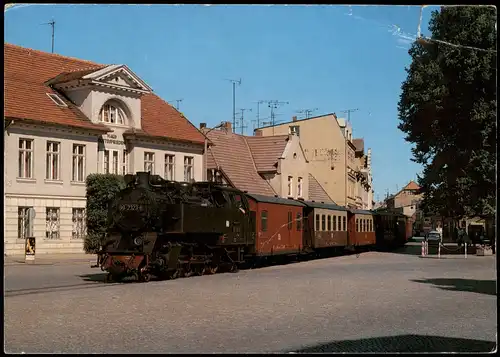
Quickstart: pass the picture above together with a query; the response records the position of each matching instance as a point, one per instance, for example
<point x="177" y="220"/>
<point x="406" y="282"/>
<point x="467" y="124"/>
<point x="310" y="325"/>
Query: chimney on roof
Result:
<point x="257" y="132"/>
<point x="294" y="118"/>
<point x="227" y="127"/>
<point x="203" y="126"/>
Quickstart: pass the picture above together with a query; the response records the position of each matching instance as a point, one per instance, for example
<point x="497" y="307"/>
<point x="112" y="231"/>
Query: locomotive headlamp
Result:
<point x="138" y="241"/>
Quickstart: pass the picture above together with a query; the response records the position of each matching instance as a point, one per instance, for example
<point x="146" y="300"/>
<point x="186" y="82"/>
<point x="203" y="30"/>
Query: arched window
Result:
<point x="112" y="114"/>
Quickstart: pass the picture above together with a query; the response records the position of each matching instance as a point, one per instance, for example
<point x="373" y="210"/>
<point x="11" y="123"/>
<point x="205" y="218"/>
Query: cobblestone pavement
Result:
<point x="377" y="302"/>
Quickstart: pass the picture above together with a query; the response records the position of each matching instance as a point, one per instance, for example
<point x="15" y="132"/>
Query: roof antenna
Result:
<point x="53" y="24"/>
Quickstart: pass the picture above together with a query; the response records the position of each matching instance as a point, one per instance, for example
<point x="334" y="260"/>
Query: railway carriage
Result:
<point x="326" y="226"/>
<point x="278" y="225"/>
<point x="361" y="228"/>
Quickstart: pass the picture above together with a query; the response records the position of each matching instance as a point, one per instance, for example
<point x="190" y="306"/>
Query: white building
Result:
<point x="66" y="118"/>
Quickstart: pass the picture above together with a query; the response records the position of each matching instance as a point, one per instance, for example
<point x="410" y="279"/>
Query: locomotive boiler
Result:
<point x="171" y="229"/>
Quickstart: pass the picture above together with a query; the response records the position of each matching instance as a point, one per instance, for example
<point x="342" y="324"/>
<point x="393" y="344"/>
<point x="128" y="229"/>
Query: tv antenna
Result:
<point x="307" y="112"/>
<point x="234" y="82"/>
<point x="53" y="24"/>
<point x="177" y="101"/>
<point x="348" y="112"/>
<point x="259" y="102"/>
<point x="274" y="104"/>
<point x="243" y="126"/>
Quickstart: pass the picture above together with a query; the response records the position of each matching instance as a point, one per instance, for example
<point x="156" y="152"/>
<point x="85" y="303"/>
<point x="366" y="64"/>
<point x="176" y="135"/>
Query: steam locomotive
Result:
<point x="174" y="229"/>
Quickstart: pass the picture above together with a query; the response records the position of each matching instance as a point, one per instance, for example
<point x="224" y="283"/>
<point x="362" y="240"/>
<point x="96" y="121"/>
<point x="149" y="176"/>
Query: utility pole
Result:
<point x="177" y="102"/>
<point x="274" y="104"/>
<point x="53" y="24"/>
<point x="234" y="82"/>
<point x="242" y="119"/>
<point x="307" y="112"/>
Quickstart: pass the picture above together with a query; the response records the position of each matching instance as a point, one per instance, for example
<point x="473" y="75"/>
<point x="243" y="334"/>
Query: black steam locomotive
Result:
<point x="172" y="229"/>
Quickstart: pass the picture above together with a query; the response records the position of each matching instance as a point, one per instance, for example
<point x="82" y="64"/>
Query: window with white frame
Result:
<point x="79" y="223"/>
<point x="299" y="187"/>
<point x="78" y="174"/>
<point x="112" y="114"/>
<point x="24" y="222"/>
<point x="111" y="162"/>
<point x="169" y="167"/>
<point x="290" y="186"/>
<point x="149" y="162"/>
<point x="188" y="168"/>
<point x="52" y="223"/>
<point x="53" y="160"/>
<point x="25" y="158"/>
<point x="125" y="162"/>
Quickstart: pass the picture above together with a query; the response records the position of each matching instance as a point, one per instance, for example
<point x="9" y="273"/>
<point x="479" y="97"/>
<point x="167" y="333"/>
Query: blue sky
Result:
<point x="331" y="58"/>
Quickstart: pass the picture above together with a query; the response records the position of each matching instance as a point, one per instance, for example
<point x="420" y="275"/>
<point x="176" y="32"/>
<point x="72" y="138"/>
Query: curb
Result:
<point x="48" y="261"/>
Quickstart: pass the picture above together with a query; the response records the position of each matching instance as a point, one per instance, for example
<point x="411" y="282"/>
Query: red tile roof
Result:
<point x="26" y="70"/>
<point x="232" y="153"/>
<point x="266" y="150"/>
<point x="317" y="192"/>
<point x="411" y="186"/>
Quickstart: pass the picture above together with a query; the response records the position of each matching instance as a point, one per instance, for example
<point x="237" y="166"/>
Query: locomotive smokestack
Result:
<point x="143" y="179"/>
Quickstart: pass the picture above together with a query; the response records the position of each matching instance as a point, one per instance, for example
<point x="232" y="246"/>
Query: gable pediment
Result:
<point x="119" y="76"/>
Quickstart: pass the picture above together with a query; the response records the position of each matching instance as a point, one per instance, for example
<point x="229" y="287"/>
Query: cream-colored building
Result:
<point x="329" y="148"/>
<point x="67" y="118"/>
<point x="271" y="166"/>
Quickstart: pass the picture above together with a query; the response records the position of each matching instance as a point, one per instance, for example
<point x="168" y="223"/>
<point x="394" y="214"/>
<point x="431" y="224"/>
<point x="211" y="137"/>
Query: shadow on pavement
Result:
<point x="403" y="343"/>
<point x="94" y="277"/>
<point x="487" y="287"/>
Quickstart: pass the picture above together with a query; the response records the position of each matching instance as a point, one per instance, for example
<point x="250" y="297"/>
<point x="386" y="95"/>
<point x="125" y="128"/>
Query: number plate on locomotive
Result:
<point x="130" y="207"/>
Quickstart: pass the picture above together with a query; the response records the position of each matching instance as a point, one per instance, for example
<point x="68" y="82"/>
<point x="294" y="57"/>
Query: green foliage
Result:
<point x="100" y="190"/>
<point x="447" y="109"/>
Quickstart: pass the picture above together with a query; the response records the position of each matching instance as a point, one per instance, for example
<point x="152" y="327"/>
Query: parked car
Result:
<point x="433" y="236"/>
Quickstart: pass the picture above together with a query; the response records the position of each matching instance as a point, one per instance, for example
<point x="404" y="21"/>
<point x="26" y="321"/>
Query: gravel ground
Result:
<point x="377" y="302"/>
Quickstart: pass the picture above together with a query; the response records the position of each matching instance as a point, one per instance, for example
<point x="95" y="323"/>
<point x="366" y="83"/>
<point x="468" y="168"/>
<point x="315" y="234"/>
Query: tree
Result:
<point x="447" y="109"/>
<point x="101" y="189"/>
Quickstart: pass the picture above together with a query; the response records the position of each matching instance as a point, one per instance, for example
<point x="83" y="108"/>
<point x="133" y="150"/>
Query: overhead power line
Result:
<point x="423" y="40"/>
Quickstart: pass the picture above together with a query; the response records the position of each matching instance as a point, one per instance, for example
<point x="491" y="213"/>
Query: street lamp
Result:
<point x="206" y="149"/>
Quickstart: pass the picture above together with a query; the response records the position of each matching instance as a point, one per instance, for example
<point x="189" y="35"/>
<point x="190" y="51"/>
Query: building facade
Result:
<point x="67" y="118"/>
<point x="329" y="148"/>
<point x="271" y="166"/>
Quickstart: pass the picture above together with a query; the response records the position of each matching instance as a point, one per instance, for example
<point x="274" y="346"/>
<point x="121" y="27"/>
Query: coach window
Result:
<point x="334" y="223"/>
<point x="299" y="222"/>
<point x="371" y="225"/>
<point x="263" y="221"/>
<point x="323" y="222"/>
<point x="290" y="220"/>
<point x="329" y="223"/>
<point x="344" y="220"/>
<point x="317" y="222"/>
<point x="357" y="225"/>
<point x="364" y="225"/>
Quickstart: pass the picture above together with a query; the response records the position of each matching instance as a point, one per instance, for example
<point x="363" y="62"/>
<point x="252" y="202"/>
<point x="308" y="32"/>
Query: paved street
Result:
<point x="377" y="302"/>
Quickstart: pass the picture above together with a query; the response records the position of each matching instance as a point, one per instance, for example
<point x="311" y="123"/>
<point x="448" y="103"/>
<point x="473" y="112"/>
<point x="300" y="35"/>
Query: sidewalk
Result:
<point x="50" y="259"/>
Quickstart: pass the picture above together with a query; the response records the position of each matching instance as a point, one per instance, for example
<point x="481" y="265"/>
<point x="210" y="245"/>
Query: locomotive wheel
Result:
<point x="145" y="277"/>
<point x="234" y="268"/>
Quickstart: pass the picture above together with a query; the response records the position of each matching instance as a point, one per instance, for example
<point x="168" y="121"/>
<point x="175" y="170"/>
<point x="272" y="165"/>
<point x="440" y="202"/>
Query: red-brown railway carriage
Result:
<point x="325" y="227"/>
<point x="278" y="225"/>
<point x="361" y="228"/>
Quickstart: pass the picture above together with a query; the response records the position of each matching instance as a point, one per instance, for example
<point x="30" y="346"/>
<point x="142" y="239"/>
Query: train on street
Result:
<point x="169" y="229"/>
